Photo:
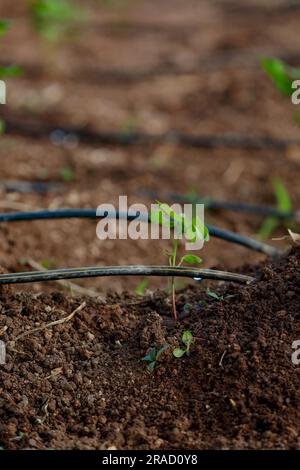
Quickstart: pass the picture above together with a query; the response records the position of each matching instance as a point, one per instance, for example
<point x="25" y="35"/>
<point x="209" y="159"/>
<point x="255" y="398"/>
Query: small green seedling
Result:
<point x="48" y="264"/>
<point x="4" y="24"/>
<point x="284" y="204"/>
<point x="52" y="18"/>
<point x="10" y="70"/>
<point x="194" y="230"/>
<point x="187" y="339"/>
<point x="67" y="174"/>
<point x="142" y="286"/>
<point x="153" y="357"/>
<point x="281" y="74"/>
<point x="214" y="295"/>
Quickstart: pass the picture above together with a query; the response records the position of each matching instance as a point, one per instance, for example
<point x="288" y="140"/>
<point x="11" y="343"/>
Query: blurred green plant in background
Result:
<point x="54" y="19"/>
<point x="284" y="204"/>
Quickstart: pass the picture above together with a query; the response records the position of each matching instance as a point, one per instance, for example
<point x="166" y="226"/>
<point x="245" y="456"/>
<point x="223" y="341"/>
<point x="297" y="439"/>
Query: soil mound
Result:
<point x="81" y="383"/>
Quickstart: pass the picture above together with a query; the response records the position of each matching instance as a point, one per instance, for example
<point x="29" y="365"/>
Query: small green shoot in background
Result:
<point x="214" y="295"/>
<point x="2" y="126"/>
<point x="281" y="74"/>
<point x="9" y="70"/>
<point x="153" y="357"/>
<point x="53" y="19"/>
<point x="194" y="230"/>
<point x="187" y="339"/>
<point x="48" y="264"/>
<point x="142" y="286"/>
<point x="4" y="25"/>
<point x="67" y="174"/>
<point x="284" y="204"/>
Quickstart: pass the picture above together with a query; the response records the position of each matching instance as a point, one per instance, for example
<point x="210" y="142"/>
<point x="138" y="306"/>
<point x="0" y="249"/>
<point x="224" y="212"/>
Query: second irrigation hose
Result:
<point x="92" y="214"/>
<point x="79" y="273"/>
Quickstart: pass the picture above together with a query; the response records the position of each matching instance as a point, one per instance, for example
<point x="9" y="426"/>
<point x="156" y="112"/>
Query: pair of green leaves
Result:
<point x="193" y="229"/>
<point x="187" y="339"/>
<point x="153" y="356"/>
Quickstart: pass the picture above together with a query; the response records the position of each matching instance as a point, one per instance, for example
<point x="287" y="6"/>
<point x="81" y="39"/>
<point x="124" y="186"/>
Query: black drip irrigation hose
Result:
<point x="39" y="129"/>
<point x="213" y="204"/>
<point x="30" y="186"/>
<point x="226" y="235"/>
<point x="79" y="273"/>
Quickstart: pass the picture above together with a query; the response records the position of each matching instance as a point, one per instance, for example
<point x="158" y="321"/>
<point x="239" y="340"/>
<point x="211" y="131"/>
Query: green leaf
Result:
<point x="151" y="356"/>
<point x="52" y="18"/>
<point x="140" y="289"/>
<point x="151" y="366"/>
<point x="191" y="259"/>
<point x="187" y="337"/>
<point x="161" y="350"/>
<point x="67" y="174"/>
<point x="2" y="126"/>
<point x="280" y="74"/>
<point x="10" y="71"/>
<point x="196" y="230"/>
<point x="4" y="24"/>
<point x="268" y="227"/>
<point x="158" y="217"/>
<point x="213" y="294"/>
<point x="284" y="202"/>
<point x="177" y="352"/>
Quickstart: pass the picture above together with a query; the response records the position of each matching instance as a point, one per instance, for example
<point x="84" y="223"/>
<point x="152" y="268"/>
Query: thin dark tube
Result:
<point x="37" y="129"/>
<point x="78" y="273"/>
<point x="30" y="186"/>
<point x="214" y="204"/>
<point x="91" y="214"/>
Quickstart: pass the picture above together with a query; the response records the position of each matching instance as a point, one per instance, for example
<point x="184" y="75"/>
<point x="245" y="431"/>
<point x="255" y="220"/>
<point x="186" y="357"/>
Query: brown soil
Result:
<point x="195" y="69"/>
<point x="82" y="384"/>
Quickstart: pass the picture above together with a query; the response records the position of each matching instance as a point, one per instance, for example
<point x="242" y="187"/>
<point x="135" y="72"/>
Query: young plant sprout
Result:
<point x="187" y="339"/>
<point x="142" y="286"/>
<point x="284" y="77"/>
<point x="153" y="357"/>
<point x="215" y="296"/>
<point x="281" y="74"/>
<point x="194" y="230"/>
<point x="284" y="204"/>
<point x="53" y="18"/>
<point x="9" y="70"/>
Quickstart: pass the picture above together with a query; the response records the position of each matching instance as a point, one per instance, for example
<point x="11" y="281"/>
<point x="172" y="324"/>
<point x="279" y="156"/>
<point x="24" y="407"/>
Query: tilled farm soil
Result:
<point x="81" y="384"/>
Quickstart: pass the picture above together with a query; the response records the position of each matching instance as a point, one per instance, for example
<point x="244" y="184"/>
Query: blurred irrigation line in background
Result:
<point x="223" y="234"/>
<point x="38" y="129"/>
<point x="214" y="204"/>
<point x="30" y="186"/>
